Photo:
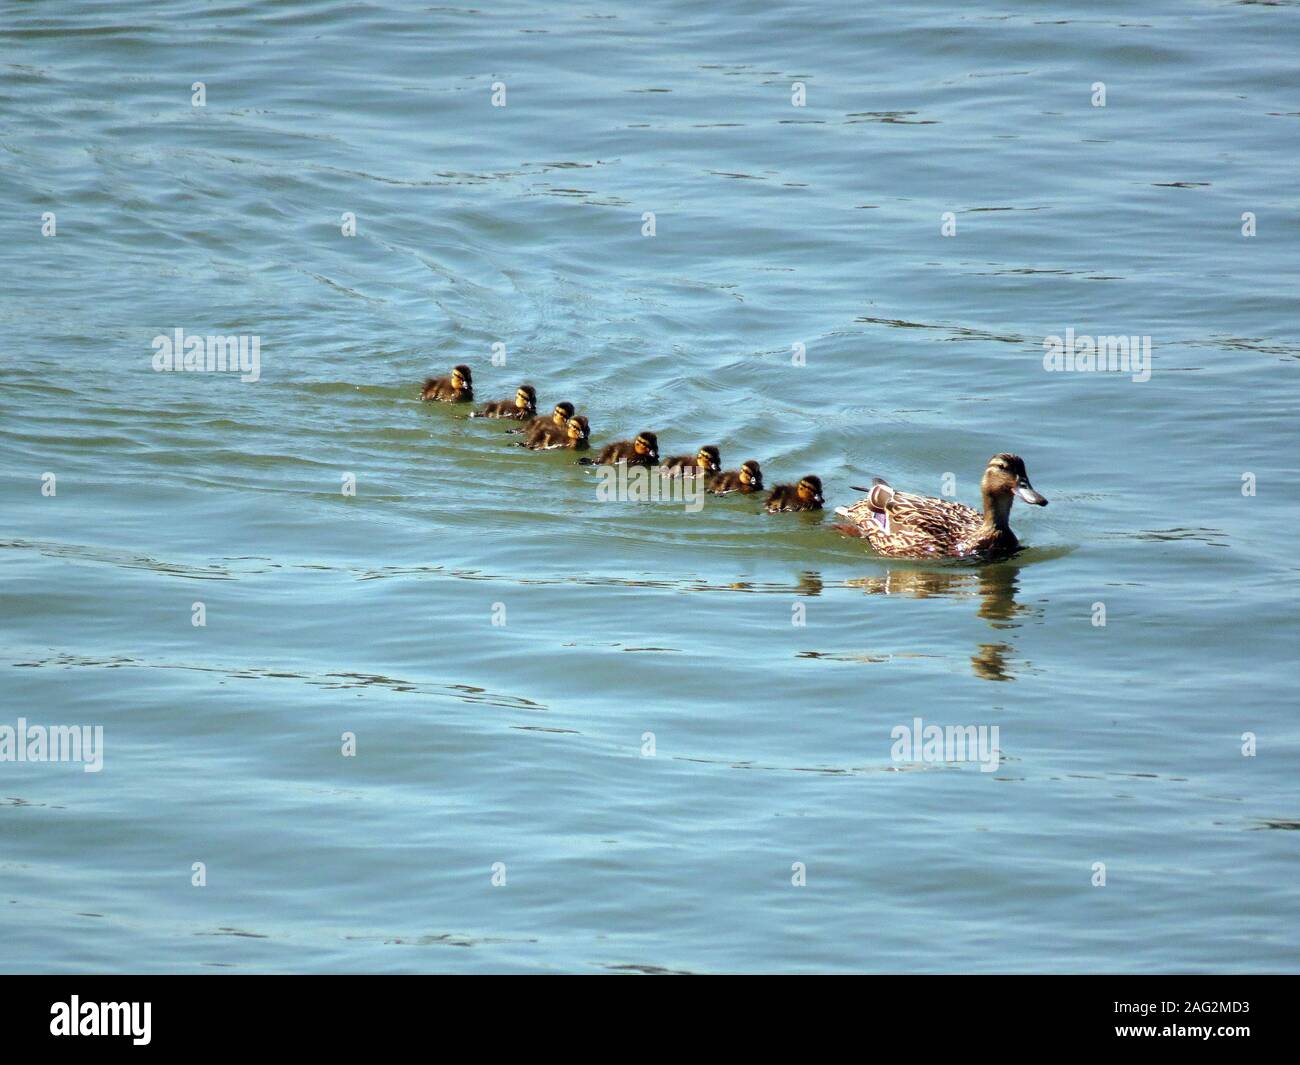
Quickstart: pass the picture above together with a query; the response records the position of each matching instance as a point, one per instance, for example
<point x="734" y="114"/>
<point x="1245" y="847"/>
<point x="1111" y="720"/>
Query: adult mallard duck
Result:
<point x="902" y="525"/>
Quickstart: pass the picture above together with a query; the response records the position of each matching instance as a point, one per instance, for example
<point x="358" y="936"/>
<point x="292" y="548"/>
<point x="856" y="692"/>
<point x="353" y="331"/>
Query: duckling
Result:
<point x="749" y="478"/>
<point x="522" y="408"/>
<point x="574" y="435"/>
<point x="458" y="388"/>
<point x="806" y="495"/>
<point x="559" y="417"/>
<point x="902" y="525"/>
<point x="704" y="463"/>
<point x="643" y="451"/>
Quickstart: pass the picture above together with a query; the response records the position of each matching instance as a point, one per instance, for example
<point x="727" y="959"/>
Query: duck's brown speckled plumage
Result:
<point x="903" y="525"/>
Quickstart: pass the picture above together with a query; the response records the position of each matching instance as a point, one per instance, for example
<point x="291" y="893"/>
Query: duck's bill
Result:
<point x="1026" y="492"/>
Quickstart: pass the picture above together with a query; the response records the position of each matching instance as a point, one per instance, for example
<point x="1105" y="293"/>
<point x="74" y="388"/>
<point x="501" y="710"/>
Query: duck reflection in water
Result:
<point x="994" y="585"/>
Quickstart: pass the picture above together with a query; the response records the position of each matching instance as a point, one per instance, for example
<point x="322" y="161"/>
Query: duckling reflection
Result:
<point x="810" y="583"/>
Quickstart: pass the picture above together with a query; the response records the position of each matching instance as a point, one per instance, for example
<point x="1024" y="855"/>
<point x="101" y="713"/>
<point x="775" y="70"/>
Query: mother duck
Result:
<point x="902" y="525"/>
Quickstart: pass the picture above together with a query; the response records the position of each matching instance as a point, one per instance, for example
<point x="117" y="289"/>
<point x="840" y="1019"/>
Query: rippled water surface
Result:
<point x="768" y="657"/>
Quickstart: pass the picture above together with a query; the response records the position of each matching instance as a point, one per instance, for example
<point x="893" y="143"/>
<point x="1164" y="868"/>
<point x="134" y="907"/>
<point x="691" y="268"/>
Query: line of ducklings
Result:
<point x="896" y="524"/>
<point x="565" y="428"/>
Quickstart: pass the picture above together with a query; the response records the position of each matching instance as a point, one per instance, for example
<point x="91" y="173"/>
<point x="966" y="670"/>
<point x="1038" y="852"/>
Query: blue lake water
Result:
<point x="683" y="713"/>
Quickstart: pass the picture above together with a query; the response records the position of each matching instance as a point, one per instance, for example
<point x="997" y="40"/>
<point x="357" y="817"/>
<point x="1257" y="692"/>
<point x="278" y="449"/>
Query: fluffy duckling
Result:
<point x="643" y="451"/>
<point x="575" y="435"/>
<point x="749" y="478"/>
<point x="704" y="463"/>
<point x="522" y="408"/>
<point x="458" y="388"/>
<point x="902" y="525"/>
<point x="559" y="417"/>
<point x="806" y="495"/>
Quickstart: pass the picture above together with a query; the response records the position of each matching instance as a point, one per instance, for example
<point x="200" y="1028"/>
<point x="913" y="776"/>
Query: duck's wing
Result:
<point x="937" y="524"/>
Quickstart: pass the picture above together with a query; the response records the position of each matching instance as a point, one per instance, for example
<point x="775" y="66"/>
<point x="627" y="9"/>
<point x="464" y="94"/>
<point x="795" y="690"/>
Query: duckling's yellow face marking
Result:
<point x="645" y="444"/>
<point x="578" y="428"/>
<point x="523" y="400"/>
<point x="810" y="490"/>
<point x="563" y="412"/>
<point x="458" y="379"/>
<point x="708" y="459"/>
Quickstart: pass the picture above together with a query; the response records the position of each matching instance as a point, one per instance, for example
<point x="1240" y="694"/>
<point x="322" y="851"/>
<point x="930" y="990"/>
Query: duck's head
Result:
<point x="1006" y="478"/>
<point x="809" y="490"/>
<point x="563" y="412"/>
<point x="461" y="377"/>
<point x="751" y="476"/>
<point x="647" y="444"/>
<point x="709" y="459"/>
<point x="577" y="428"/>
<point x="526" y="398"/>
